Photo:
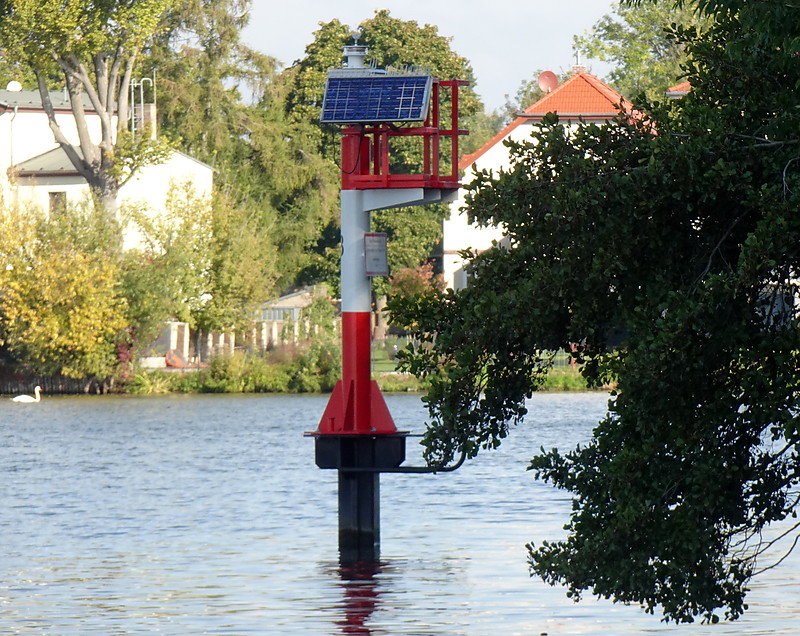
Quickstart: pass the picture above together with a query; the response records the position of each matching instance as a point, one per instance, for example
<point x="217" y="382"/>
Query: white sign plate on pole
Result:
<point x="377" y="262"/>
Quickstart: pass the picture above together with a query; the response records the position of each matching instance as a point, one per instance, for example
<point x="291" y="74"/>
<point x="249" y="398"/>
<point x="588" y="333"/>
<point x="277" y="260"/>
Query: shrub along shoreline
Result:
<point x="302" y="369"/>
<point x="314" y="370"/>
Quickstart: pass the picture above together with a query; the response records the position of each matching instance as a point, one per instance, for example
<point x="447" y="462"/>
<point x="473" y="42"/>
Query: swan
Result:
<point x="28" y="398"/>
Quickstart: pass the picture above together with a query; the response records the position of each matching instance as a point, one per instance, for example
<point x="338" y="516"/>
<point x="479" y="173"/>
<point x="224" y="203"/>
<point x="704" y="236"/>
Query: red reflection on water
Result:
<point x="361" y="596"/>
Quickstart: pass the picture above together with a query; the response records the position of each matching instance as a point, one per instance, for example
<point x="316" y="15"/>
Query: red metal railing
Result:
<point x="366" y="149"/>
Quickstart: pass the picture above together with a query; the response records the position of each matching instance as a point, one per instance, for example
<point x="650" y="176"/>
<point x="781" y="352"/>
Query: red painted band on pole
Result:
<point x="357" y="365"/>
<point x="356" y="405"/>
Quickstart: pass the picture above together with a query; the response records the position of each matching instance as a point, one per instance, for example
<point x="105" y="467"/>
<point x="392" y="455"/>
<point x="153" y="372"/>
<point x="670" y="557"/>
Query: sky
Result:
<point x="506" y="41"/>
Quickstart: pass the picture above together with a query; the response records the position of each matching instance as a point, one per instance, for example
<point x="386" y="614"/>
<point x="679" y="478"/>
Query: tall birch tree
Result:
<point x="93" y="47"/>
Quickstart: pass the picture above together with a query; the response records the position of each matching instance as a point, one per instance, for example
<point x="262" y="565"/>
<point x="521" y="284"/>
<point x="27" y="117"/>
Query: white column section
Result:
<point x="356" y="205"/>
<point x="355" y="223"/>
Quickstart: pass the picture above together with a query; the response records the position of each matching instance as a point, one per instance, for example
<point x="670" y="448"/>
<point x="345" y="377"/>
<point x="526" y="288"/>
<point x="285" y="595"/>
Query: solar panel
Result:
<point x="371" y="98"/>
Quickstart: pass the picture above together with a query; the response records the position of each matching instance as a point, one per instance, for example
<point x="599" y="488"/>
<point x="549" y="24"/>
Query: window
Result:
<point x="58" y="202"/>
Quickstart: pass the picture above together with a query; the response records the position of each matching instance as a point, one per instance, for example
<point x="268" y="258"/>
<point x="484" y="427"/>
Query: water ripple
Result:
<point x="205" y="514"/>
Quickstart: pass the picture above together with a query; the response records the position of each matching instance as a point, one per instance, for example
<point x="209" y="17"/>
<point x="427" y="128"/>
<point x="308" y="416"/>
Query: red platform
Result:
<point x="366" y="149"/>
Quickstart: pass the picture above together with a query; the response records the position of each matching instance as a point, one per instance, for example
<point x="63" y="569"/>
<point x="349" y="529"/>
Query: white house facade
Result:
<point x="34" y="170"/>
<point x="582" y="97"/>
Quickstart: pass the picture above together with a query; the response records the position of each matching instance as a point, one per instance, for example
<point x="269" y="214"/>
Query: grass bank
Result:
<point x="557" y="380"/>
<point x="313" y="369"/>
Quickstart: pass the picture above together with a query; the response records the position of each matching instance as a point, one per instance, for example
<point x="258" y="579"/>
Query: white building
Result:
<point x="581" y="97"/>
<point x="35" y="170"/>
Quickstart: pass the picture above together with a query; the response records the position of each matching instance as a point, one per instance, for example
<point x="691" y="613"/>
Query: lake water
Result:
<point x="207" y="515"/>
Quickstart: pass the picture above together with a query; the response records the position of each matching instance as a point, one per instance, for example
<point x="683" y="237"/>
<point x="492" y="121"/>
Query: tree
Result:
<point x="637" y="41"/>
<point x="60" y="307"/>
<point x="527" y="93"/>
<point x="665" y="248"/>
<point x="203" y="72"/>
<point x="166" y="278"/>
<point x="93" y="47"/>
<point x="227" y="104"/>
<point x="242" y="268"/>
<point x="205" y="262"/>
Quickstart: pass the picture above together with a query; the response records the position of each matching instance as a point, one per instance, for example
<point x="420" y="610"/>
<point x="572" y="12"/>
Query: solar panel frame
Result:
<point x="375" y="98"/>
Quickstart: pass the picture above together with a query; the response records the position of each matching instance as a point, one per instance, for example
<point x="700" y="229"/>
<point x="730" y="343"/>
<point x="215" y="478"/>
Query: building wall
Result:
<point x="25" y="134"/>
<point x="151" y="187"/>
<point x="457" y="233"/>
<point x="37" y="193"/>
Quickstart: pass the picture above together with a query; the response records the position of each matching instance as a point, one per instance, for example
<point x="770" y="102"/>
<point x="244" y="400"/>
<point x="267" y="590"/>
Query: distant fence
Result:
<point x="563" y="360"/>
<point x="13" y="383"/>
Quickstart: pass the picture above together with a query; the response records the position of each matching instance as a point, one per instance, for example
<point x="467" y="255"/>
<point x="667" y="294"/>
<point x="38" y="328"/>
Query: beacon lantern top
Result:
<point x="366" y="96"/>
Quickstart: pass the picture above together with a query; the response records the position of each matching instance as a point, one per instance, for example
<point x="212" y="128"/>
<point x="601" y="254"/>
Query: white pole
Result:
<point x="356" y="289"/>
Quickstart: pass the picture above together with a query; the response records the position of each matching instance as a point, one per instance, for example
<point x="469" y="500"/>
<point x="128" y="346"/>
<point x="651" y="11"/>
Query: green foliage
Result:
<point x="60" y="307"/>
<point x="45" y="31"/>
<point x="564" y="380"/>
<point x="227" y="104"/>
<point x="150" y="383"/>
<point x="638" y="41"/>
<point x="237" y="374"/>
<point x="242" y="268"/>
<point x="205" y="262"/>
<point x="167" y="277"/>
<point x="133" y="151"/>
<point x="666" y="247"/>
<point x="12" y="69"/>
<point x="316" y="368"/>
<point x="204" y="72"/>
<point x="226" y="374"/>
<point x="398" y="383"/>
<point x="319" y="319"/>
<point x="311" y="368"/>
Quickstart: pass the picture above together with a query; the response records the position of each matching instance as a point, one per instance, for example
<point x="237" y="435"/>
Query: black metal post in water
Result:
<point x="359" y="517"/>
<point x="359" y="460"/>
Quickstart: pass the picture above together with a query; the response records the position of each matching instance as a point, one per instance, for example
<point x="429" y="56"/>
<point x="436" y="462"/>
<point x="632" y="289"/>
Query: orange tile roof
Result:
<point x="680" y="88"/>
<point x="581" y="95"/>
